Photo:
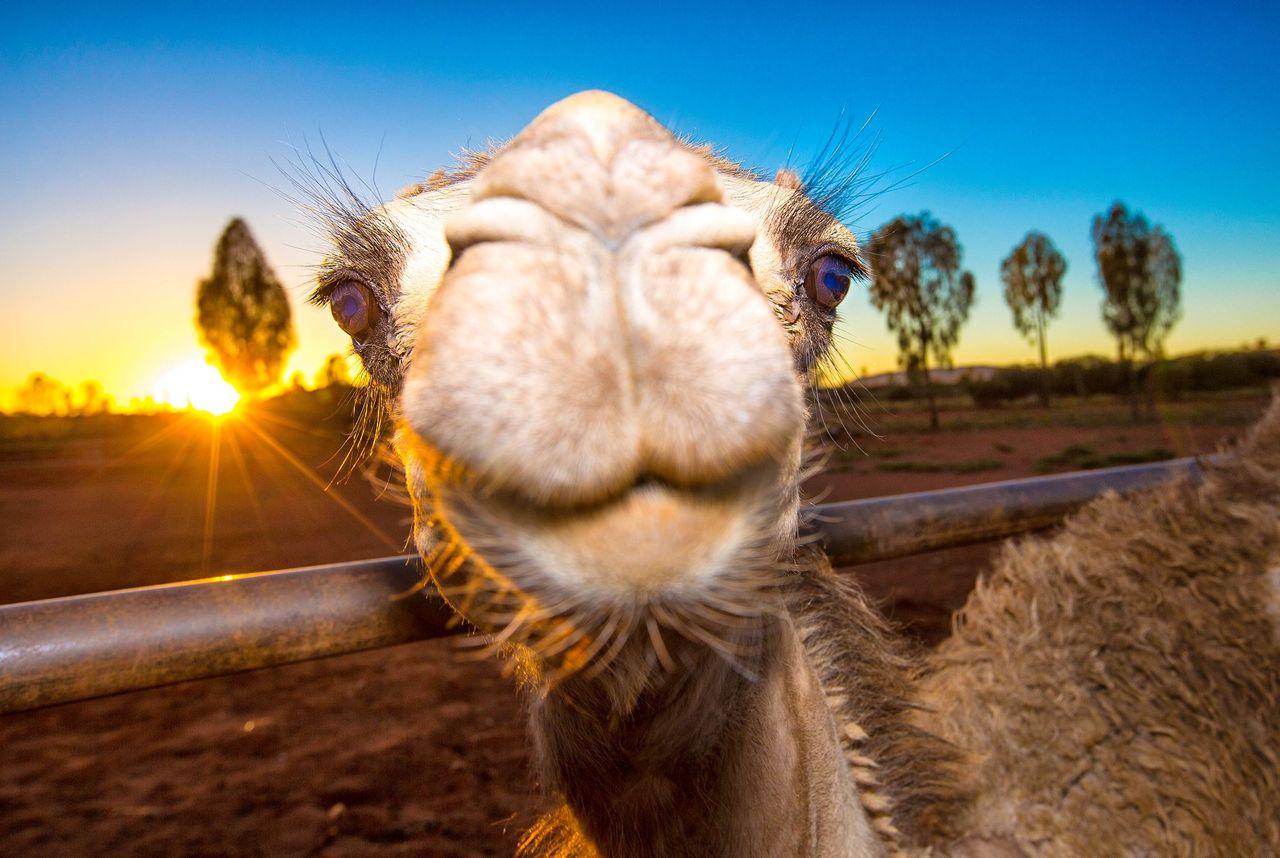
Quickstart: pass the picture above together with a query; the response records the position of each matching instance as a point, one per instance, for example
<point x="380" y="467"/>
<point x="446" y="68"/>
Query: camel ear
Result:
<point x="410" y="191"/>
<point x="435" y="181"/>
<point x="788" y="179"/>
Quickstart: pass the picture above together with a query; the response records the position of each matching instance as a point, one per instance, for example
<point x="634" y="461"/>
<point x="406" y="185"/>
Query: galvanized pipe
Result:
<point x="77" y="647"/>
<point x="899" y="525"/>
<point x="74" y="648"/>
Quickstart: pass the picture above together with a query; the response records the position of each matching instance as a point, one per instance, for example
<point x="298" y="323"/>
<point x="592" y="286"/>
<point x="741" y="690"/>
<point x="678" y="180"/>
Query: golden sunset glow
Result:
<point x="198" y="386"/>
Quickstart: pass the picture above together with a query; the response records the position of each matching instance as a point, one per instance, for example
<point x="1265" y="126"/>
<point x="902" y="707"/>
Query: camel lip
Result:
<point x="448" y="475"/>
<point x="644" y="483"/>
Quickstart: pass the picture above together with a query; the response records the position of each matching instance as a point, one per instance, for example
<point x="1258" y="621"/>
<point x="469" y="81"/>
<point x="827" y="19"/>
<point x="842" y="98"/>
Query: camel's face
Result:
<point x="599" y="341"/>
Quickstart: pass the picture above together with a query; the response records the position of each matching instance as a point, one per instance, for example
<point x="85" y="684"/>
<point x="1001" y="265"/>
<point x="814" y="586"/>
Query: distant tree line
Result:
<point x="1166" y="379"/>
<point x="43" y="395"/>
<point x="918" y="281"/>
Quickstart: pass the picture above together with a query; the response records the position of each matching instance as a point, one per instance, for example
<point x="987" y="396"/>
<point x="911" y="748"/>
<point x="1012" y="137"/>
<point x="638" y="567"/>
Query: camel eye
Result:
<point x="828" y="280"/>
<point x="354" y="308"/>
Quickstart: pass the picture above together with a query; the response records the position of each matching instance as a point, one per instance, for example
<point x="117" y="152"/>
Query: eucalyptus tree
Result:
<point x="916" y="280"/>
<point x="1032" y="276"/>
<point x="242" y="312"/>
<point x="1140" y="272"/>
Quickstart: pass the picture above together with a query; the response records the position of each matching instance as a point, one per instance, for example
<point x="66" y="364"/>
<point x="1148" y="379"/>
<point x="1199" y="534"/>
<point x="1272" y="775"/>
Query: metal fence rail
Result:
<point x="74" y="648"/>
<point x="900" y="525"/>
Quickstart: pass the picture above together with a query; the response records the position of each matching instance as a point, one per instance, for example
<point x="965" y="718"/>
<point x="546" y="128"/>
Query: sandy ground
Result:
<point x="414" y="750"/>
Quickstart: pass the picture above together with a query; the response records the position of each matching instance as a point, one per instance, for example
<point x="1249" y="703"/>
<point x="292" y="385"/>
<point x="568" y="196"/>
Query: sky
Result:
<point x="131" y="137"/>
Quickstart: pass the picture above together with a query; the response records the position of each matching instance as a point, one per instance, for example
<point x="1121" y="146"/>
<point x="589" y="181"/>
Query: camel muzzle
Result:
<point x="599" y="360"/>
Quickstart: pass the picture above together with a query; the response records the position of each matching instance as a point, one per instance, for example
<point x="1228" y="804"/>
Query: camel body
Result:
<point x="1117" y="686"/>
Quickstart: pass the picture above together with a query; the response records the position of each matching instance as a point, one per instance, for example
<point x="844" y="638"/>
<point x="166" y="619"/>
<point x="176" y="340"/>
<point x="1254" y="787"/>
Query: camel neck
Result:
<point x="706" y="760"/>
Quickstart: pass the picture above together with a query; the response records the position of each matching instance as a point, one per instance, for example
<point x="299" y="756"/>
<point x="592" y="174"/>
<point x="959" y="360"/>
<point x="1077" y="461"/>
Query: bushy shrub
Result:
<point x="1215" y="371"/>
<point x="1007" y="385"/>
<point x="1087" y="376"/>
<point x="897" y="393"/>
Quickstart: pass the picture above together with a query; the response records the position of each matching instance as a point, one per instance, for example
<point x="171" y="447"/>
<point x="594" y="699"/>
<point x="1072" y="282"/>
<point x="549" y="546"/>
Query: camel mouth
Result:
<point x="653" y="539"/>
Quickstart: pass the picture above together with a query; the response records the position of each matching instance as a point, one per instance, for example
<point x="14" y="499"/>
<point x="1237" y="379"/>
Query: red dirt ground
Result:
<point x="414" y="750"/>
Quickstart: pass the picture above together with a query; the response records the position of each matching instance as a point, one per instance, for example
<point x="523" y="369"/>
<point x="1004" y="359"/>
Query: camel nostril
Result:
<point x="498" y="219"/>
<point x="706" y="226"/>
<point x="648" y="481"/>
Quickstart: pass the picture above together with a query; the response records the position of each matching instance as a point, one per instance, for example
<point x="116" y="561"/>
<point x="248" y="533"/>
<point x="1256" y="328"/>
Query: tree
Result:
<point x="1141" y="275"/>
<point x="1032" y="276"/>
<point x="93" y="400"/>
<point x="916" y="280"/>
<point x="243" y="313"/>
<point x="43" y="395"/>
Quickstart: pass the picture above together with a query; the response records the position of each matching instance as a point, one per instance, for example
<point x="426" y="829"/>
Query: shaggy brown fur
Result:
<point x="1119" y="684"/>
<point x="908" y="779"/>
<point x="666" y="756"/>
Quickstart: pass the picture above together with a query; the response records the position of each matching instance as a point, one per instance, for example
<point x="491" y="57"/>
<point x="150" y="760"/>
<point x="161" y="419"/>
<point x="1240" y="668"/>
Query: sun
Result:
<point x="196" y="385"/>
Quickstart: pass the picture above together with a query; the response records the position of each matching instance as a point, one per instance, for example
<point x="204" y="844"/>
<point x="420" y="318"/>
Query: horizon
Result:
<point x="175" y="392"/>
<point x="140" y="135"/>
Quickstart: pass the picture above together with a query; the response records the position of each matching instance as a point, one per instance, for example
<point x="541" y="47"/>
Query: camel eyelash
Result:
<point x="833" y="188"/>
<point x="369" y="247"/>
<point x="326" y="282"/>
<point x="331" y="277"/>
<point x="363" y="238"/>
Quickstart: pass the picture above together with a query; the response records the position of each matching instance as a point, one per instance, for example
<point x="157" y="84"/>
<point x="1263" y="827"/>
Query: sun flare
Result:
<point x="196" y="385"/>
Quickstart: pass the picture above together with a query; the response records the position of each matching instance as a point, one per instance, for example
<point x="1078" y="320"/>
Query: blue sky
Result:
<point x="130" y="138"/>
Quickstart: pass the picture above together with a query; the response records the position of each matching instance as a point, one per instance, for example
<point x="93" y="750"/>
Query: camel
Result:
<point x="595" y="343"/>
